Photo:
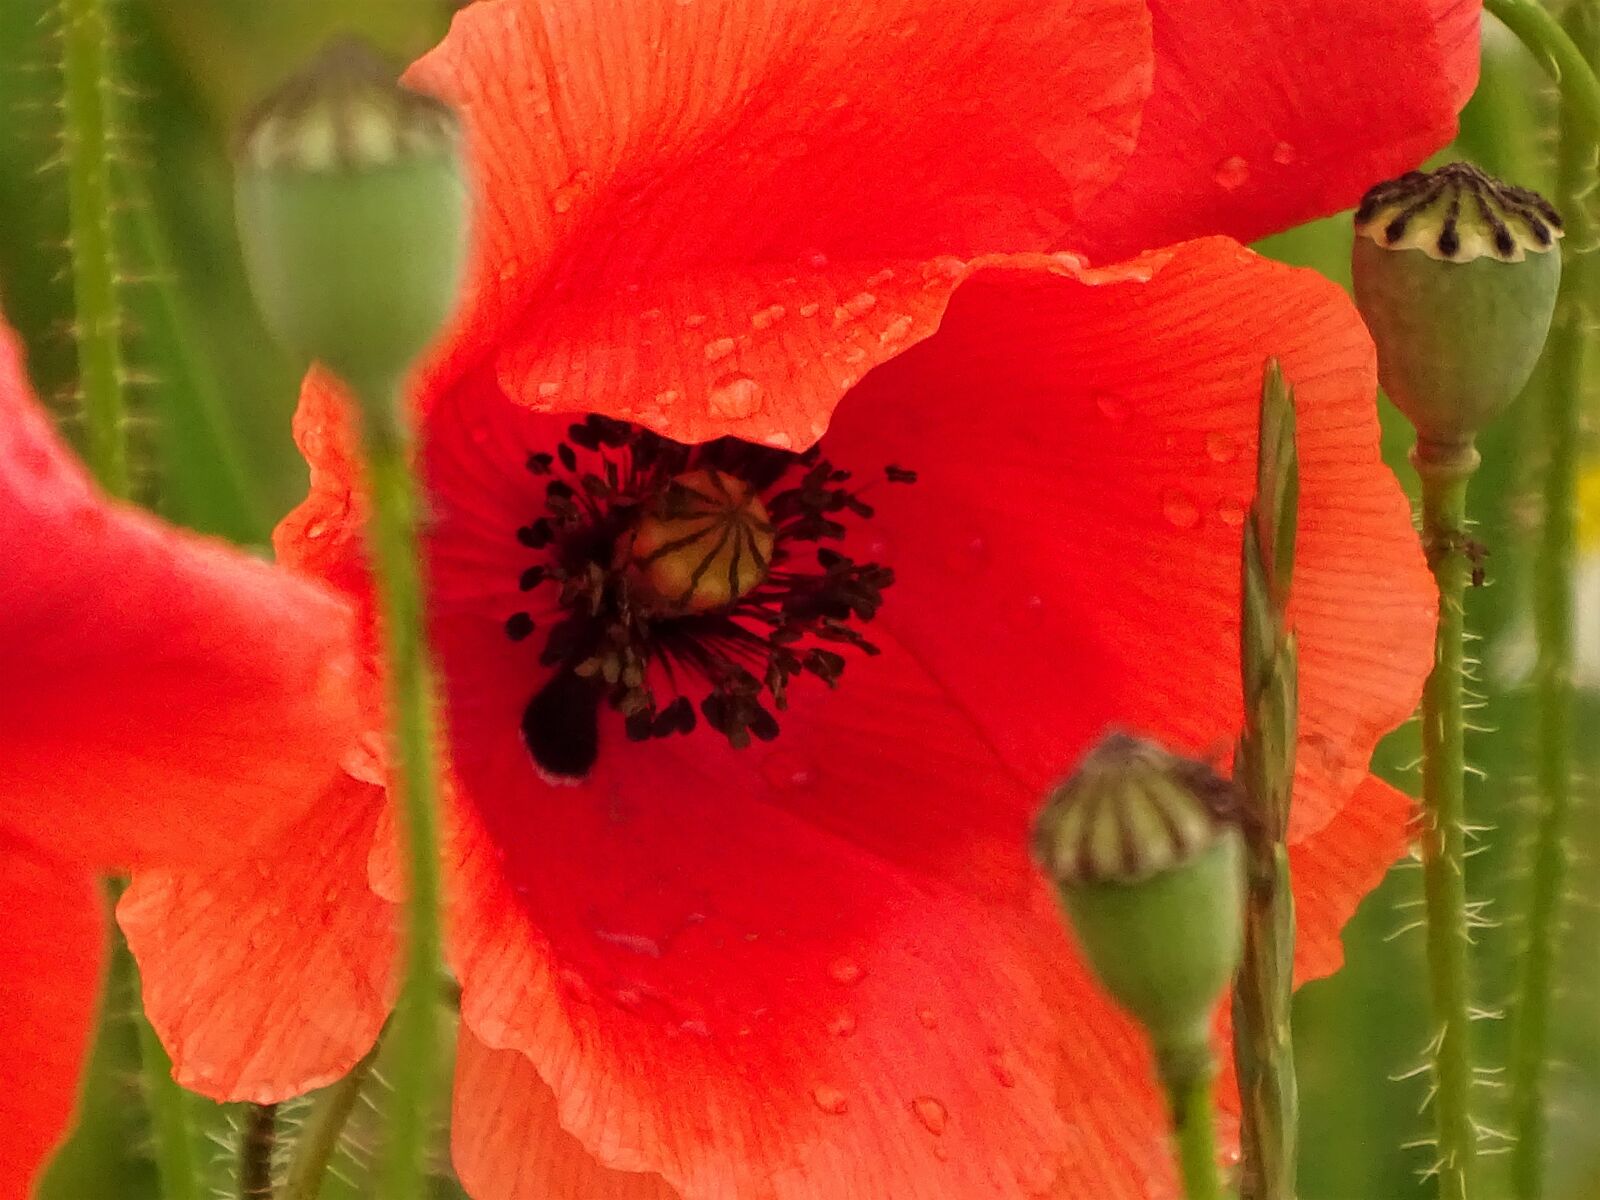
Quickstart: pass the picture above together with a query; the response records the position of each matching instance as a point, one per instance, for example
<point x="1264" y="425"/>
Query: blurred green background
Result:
<point x="214" y="431"/>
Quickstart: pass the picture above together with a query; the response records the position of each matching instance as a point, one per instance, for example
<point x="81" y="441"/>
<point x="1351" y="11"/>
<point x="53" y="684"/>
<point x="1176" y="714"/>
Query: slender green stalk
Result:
<point x="1558" y="387"/>
<point x="1444" y="475"/>
<point x="413" y="1062"/>
<point x="255" y="1152"/>
<point x="1264" y="766"/>
<point x="319" y="1139"/>
<point x="1194" y="1132"/>
<point x="86" y="68"/>
<point x="1549" y="42"/>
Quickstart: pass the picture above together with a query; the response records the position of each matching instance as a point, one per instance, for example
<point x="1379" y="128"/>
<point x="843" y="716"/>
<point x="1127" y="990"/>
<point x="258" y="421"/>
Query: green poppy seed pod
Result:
<point x="1143" y="850"/>
<point x="351" y="201"/>
<point x="1456" y="275"/>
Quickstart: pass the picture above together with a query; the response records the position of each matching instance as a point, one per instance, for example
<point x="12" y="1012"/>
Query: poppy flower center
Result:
<point x="693" y="583"/>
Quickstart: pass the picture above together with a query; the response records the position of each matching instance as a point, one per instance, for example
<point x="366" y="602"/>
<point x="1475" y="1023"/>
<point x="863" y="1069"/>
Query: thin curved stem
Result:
<point x="87" y="142"/>
<point x="414" y="1053"/>
<point x="1443" y="835"/>
<point x="1549" y="42"/>
<point x="319" y="1139"/>
<point x="1559" y="386"/>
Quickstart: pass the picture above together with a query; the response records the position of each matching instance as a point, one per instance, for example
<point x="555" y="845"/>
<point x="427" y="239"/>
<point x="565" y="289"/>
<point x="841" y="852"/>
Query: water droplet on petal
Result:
<point x="549" y="388"/>
<point x="734" y="397"/>
<point x="509" y="270"/>
<point x="1221" y="448"/>
<point x="634" y="943"/>
<point x="880" y="278"/>
<point x="842" y="1023"/>
<point x="929" y="1018"/>
<point x="895" y="330"/>
<point x="809" y="310"/>
<point x="845" y="971"/>
<point x="1112" y="408"/>
<point x="968" y="555"/>
<point x="694" y="320"/>
<point x="1230" y="513"/>
<point x="853" y="354"/>
<point x="830" y="1099"/>
<point x="1180" y="509"/>
<point x="568" y="194"/>
<point x="860" y="303"/>
<point x="933" y="1115"/>
<point x="719" y="349"/>
<point x="1000" y="1067"/>
<point x="1039" y="1177"/>
<point x="317" y="530"/>
<point x="767" y="317"/>
<point x="788" y="772"/>
<point x="1283" y="154"/>
<point x="650" y="314"/>
<point x="697" y="1027"/>
<point x="778" y="441"/>
<point x="1232" y="173"/>
<point x="815" y="259"/>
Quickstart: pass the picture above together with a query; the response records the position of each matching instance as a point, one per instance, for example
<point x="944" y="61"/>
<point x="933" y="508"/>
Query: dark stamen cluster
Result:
<point x="613" y="646"/>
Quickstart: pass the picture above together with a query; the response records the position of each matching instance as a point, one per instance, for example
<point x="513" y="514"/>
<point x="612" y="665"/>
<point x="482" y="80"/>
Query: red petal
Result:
<point x="181" y="698"/>
<point x="1048" y="582"/>
<point x="1069" y="556"/>
<point x="1339" y="866"/>
<point x="50" y="966"/>
<point x="509" y="1145"/>
<point x="692" y="158"/>
<point x="269" y="976"/>
<point x="1269" y="112"/>
<point x="699" y="1014"/>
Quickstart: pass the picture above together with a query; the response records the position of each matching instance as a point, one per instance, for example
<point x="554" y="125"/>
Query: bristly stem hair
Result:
<point x="1264" y="768"/>
<point x="88" y="142"/>
<point x="1558" y="388"/>
<point x="1451" y="554"/>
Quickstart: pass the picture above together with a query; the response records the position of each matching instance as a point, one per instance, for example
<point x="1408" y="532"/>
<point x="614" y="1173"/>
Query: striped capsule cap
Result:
<point x="1458" y="213"/>
<point x="1131" y="810"/>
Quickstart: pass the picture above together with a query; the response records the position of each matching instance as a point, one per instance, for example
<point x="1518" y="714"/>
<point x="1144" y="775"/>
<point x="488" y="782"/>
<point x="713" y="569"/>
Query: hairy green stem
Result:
<point x="1194" y="1131"/>
<point x="319" y="1139"/>
<point x="1264" y="767"/>
<point x="256" y="1144"/>
<point x="1551" y="44"/>
<point x="1444" y="474"/>
<point x="1558" y="386"/>
<point x="413" y="1062"/>
<point x="86" y="69"/>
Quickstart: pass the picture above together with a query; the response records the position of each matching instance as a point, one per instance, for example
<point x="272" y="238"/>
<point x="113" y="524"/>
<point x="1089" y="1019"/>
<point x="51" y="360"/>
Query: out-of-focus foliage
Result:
<point x="217" y="455"/>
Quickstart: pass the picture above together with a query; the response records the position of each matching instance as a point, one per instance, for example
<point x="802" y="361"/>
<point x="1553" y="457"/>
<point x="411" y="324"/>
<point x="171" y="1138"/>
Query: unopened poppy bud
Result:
<point x="1455" y="274"/>
<point x="352" y="210"/>
<point x="707" y="542"/>
<point x="1145" y="856"/>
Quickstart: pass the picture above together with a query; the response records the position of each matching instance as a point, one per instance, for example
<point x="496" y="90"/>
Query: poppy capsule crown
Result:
<point x="352" y="211"/>
<point x="1456" y="274"/>
<point x="1146" y="862"/>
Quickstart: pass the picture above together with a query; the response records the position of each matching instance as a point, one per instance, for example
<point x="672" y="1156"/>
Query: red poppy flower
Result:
<point x="169" y="701"/>
<point x="714" y="944"/>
